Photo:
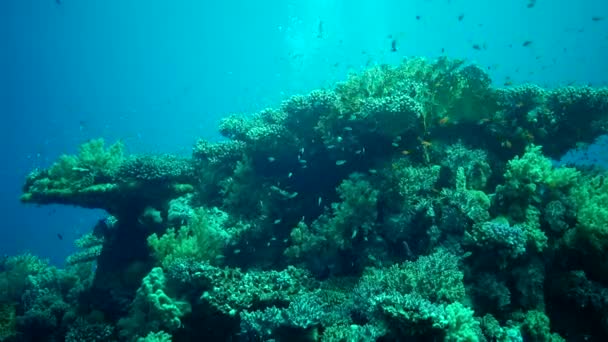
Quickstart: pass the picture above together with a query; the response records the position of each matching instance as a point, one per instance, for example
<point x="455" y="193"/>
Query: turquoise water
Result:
<point x="159" y="75"/>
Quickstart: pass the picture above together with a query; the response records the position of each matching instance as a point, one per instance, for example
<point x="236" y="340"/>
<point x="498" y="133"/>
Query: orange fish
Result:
<point x="443" y="121"/>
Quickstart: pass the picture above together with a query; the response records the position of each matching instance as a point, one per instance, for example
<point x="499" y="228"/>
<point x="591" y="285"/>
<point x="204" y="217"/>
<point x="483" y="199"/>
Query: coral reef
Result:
<point x="410" y="202"/>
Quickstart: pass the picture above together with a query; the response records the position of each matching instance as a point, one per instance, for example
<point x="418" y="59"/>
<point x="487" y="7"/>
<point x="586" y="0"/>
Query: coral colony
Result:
<point x="414" y="202"/>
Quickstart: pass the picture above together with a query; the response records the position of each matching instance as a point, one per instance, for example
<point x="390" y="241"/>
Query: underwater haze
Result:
<point x="325" y="159"/>
<point x="159" y="74"/>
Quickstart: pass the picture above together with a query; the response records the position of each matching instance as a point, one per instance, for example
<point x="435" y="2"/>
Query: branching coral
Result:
<point x="474" y="164"/>
<point x="498" y="235"/>
<point x="415" y="183"/>
<point x="230" y="290"/>
<point x="90" y="246"/>
<point x="435" y="277"/>
<point x="350" y="225"/>
<point x="415" y="316"/>
<point x="394" y="191"/>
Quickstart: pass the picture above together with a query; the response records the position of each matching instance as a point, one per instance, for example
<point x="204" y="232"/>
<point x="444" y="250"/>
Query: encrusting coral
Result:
<point x="414" y="201"/>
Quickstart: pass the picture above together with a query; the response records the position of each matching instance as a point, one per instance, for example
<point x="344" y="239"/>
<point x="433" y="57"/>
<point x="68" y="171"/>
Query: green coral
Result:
<point x="390" y="116"/>
<point x="508" y="240"/>
<point x="536" y="327"/>
<point x="473" y="162"/>
<point x="14" y="274"/>
<point x="241" y="192"/>
<point x="307" y="113"/>
<point x="415" y="184"/>
<point x="264" y="131"/>
<point x="526" y="175"/>
<point x="532" y="180"/>
<point x="590" y="199"/>
<point x="203" y="238"/>
<point x="106" y="179"/>
<point x="474" y="204"/>
<point x="153" y="308"/>
<point x="574" y="107"/>
<point x="93" y="160"/>
<point x="435" y="277"/>
<point x="91" y="170"/>
<point x="494" y="332"/>
<point x="8" y="320"/>
<point x="460" y="325"/>
<point x="81" y="330"/>
<point x="351" y="221"/>
<point x="304" y="313"/>
<point x="557" y="119"/>
<point x="417" y="316"/>
<point x="352" y="332"/>
<point x="356" y="213"/>
<point x="532" y="228"/>
<point x="160" y="336"/>
<point x="498" y="235"/>
<point x="37" y="299"/>
<point x="419" y="161"/>
<point x="90" y="246"/>
<point x="441" y="87"/>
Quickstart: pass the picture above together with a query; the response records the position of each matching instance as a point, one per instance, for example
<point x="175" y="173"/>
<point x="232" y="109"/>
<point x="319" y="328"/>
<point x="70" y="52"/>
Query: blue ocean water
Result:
<point x="159" y="74"/>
